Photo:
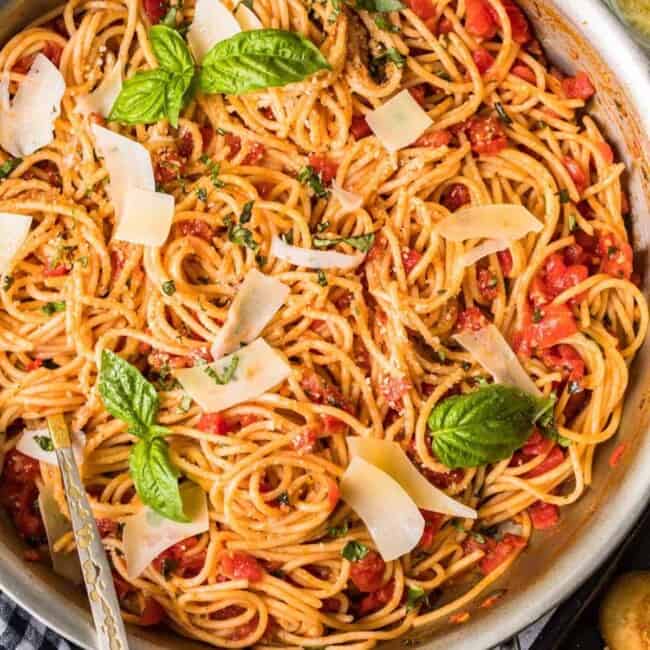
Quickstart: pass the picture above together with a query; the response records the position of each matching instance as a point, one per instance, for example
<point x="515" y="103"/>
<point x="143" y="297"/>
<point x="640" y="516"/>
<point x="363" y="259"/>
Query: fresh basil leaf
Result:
<point x="176" y="96"/>
<point x="362" y="243"/>
<point x="156" y="479"/>
<point x="258" y="59"/>
<point x="126" y="394"/>
<point x="482" y="427"/>
<point x="8" y="166"/>
<point x="354" y="551"/>
<point x="308" y="176"/>
<point x="414" y="596"/>
<point x="379" y="6"/>
<point x="169" y="18"/>
<point x="171" y="50"/>
<point x="143" y="98"/>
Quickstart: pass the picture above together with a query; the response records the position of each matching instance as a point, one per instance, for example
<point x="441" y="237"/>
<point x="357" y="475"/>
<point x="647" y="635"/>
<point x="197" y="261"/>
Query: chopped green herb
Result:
<point x="221" y="131"/>
<point x="563" y="195"/>
<point x="213" y="168"/>
<point x="362" y="243"/>
<point x="247" y="212"/>
<point x="444" y="75"/>
<point x="339" y="531"/>
<point x="201" y="194"/>
<point x="7" y="282"/>
<point x="44" y="442"/>
<point x="227" y="374"/>
<point x="466" y="365"/>
<point x="322" y="278"/>
<point x="169" y="288"/>
<point x="283" y="499"/>
<point x="537" y="315"/>
<point x="354" y="551"/>
<point x="50" y="308"/>
<point x="414" y="597"/>
<point x="501" y="112"/>
<point x="8" y="166"/>
<point x="237" y="234"/>
<point x="308" y="176"/>
<point x="321" y="227"/>
<point x="383" y="23"/>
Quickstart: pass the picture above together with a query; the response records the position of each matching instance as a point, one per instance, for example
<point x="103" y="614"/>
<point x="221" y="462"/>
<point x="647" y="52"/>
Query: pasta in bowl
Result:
<point x="241" y="240"/>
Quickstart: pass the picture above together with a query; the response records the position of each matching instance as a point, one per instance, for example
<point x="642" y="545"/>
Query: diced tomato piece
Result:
<point x="321" y="391"/>
<point x="34" y="364"/>
<point x="483" y="59"/>
<point x="359" y="127"/>
<point x="554" y="458"/>
<point x="578" y="87"/>
<point x="107" y="527"/>
<point x="418" y="93"/>
<point x="505" y="261"/>
<point x="434" y="521"/>
<point x="324" y="167"/>
<point x="207" y="133"/>
<point x="606" y="152"/>
<point x="305" y="441"/>
<point x="152" y="613"/>
<point x="267" y="112"/>
<point x="471" y="319"/>
<point x="479" y="20"/>
<point x="535" y="446"/>
<point x="394" y="389"/>
<point x="617" y="454"/>
<point x="496" y="553"/>
<point x="176" y="558"/>
<point x="367" y="574"/>
<point x="576" y="172"/>
<point x="519" y="25"/>
<point x="245" y="629"/>
<point x="445" y="26"/>
<point x="215" y="423"/>
<point x="55" y="272"/>
<point x="564" y="357"/>
<point x="456" y="197"/>
<point x="524" y="72"/>
<point x="544" y="515"/>
<point x="443" y="480"/>
<point x="233" y="142"/>
<point x="487" y="284"/>
<point x="551" y="324"/>
<point x="238" y="565"/>
<point x="256" y="153"/>
<point x="377" y="599"/>
<point x="196" y="228"/>
<point x="423" y="9"/>
<point x="557" y="277"/>
<point x="616" y="257"/>
<point x="486" y="135"/>
<point x="53" y="52"/>
<point x="332" y="425"/>
<point x="434" y="139"/>
<point x="168" y="167"/>
<point x="185" y="145"/>
<point x="333" y="493"/>
<point x="330" y="605"/>
<point x="410" y="258"/>
<point x="155" y="10"/>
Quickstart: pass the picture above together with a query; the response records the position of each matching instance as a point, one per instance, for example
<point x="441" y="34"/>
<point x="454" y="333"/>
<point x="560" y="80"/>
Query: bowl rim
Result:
<point x="618" y="51"/>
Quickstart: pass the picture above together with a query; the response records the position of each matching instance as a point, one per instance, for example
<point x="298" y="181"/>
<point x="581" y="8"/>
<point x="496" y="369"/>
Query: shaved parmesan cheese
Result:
<point x="146" y="217"/>
<point x="389" y="457"/>
<point x="503" y="221"/>
<point x="128" y="164"/>
<point x="147" y="534"/>
<point x="101" y="100"/>
<point x="477" y="253"/>
<point x="313" y="259"/>
<point x="393" y="520"/>
<point x="349" y="200"/>
<point x="28" y="123"/>
<point x="258" y="299"/>
<point x="14" y="229"/>
<point x="246" y="18"/>
<point x="35" y="443"/>
<point x="398" y="122"/>
<point x="212" y="23"/>
<point x="259" y="368"/>
<point x="56" y="525"/>
<point x="492" y="351"/>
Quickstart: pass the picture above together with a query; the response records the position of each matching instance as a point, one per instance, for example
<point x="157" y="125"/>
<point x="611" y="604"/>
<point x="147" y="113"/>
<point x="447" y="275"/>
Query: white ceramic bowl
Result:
<point x="576" y="34"/>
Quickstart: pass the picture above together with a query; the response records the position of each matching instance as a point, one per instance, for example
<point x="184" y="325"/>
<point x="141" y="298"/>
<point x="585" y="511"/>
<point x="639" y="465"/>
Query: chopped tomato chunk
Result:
<point x="410" y="258"/>
<point x="394" y="389"/>
<point x="548" y="326"/>
<point x="434" y="139"/>
<point x="367" y="574"/>
<point x="496" y="552"/>
<point x="34" y="364"/>
<point x="616" y="258"/>
<point x="215" y="423"/>
<point x="359" y="127"/>
<point x="418" y="93"/>
<point x="376" y="599"/>
<point x="479" y="19"/>
<point x="56" y="272"/>
<point x="152" y="613"/>
<point x="456" y="197"/>
<point x="487" y="283"/>
<point x="107" y="527"/>
<point x="332" y="425"/>
<point x="556" y="277"/>
<point x="564" y="357"/>
<point x="305" y="441"/>
<point x="321" y="391"/>
<point x="423" y="9"/>
<point x="176" y="558"/>
<point x="333" y="493"/>
<point x="483" y="59"/>
<point x="434" y="521"/>
<point x="196" y="228"/>
<point x="524" y="72"/>
<point x="555" y="457"/>
<point x="606" y="152"/>
<point x="519" y="25"/>
<point x="617" y="454"/>
<point x="155" y="10"/>
<point x="233" y="142"/>
<point x="505" y="261"/>
<point x="578" y="87"/>
<point x="576" y="172"/>
<point x="445" y="26"/>
<point x="255" y="154"/>
<point x="486" y="135"/>
<point x="471" y="319"/>
<point x="323" y="166"/>
<point x="238" y="565"/>
<point x="185" y="145"/>
<point x="53" y="52"/>
<point x="544" y="515"/>
<point x="207" y="133"/>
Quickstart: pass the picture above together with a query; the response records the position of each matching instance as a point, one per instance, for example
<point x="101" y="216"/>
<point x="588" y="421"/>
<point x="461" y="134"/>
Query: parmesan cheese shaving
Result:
<point x="146" y="217"/>
<point x="349" y="200"/>
<point x="393" y="520"/>
<point x="147" y="534"/>
<point x="28" y="123"/>
<point x="259" y="369"/>
<point x="313" y="259"/>
<point x="258" y="299"/>
<point x="492" y="351"/>
<point x="212" y="23"/>
<point x="101" y="100"/>
<point x="503" y="221"/>
<point x="14" y="229"/>
<point x="389" y="457"/>
<point x="484" y="249"/>
<point x="398" y="122"/>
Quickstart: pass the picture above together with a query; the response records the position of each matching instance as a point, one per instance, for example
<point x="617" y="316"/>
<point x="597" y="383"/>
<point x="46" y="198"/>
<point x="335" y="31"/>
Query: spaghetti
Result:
<point x="371" y="349"/>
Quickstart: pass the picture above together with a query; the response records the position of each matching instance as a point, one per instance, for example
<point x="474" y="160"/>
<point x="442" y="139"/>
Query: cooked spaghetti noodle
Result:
<point x="370" y="350"/>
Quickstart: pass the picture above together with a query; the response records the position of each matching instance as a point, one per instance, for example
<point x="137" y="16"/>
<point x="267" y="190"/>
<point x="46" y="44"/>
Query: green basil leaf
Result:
<point x="171" y="50"/>
<point x="176" y="95"/>
<point x="362" y="243"/>
<point x="354" y="551"/>
<point x="143" y="98"/>
<point x="414" y="597"/>
<point x="482" y="427"/>
<point x="379" y="6"/>
<point x="156" y="479"/>
<point x="127" y="395"/>
<point x="257" y="59"/>
<point x="8" y="166"/>
<point x="44" y="442"/>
